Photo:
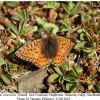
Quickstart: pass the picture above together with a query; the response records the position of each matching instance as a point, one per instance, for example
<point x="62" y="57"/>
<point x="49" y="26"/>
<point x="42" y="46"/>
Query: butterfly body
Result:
<point x="49" y="46"/>
<point x="46" y="51"/>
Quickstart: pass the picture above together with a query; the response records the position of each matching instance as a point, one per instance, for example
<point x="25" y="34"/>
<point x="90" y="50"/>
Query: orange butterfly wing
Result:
<point x="64" y="46"/>
<point x="32" y="53"/>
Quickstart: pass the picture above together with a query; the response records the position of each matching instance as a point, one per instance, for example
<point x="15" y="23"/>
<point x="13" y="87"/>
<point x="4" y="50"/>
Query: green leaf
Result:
<point x="66" y="8"/>
<point x="83" y="16"/>
<point x="51" y="4"/>
<point x="63" y="28"/>
<point x="72" y="87"/>
<point x="98" y="87"/>
<point x="5" y="78"/>
<point x="95" y="45"/>
<point x="18" y="44"/>
<point x="50" y="25"/>
<point x="74" y="11"/>
<point x="53" y="78"/>
<point x="91" y="54"/>
<point x="8" y="67"/>
<point x="75" y="72"/>
<point x="73" y="75"/>
<point x="58" y="70"/>
<point x="21" y="15"/>
<point x="90" y="87"/>
<point x="2" y="61"/>
<point x="1" y="83"/>
<point x="12" y="3"/>
<point x="79" y="31"/>
<point x="66" y="26"/>
<point x="21" y="24"/>
<point x="55" y="30"/>
<point x="87" y="50"/>
<point x="34" y="29"/>
<point x="27" y="29"/>
<point x="65" y="66"/>
<point x="82" y="36"/>
<point x="65" y="22"/>
<point x="79" y="45"/>
<point x="79" y="70"/>
<point x="68" y="85"/>
<point x="25" y="15"/>
<point x="13" y="28"/>
<point x="71" y="8"/>
<point x="70" y="79"/>
<point x="40" y="21"/>
<point x="47" y="25"/>
<point x="16" y="18"/>
<point x="61" y="80"/>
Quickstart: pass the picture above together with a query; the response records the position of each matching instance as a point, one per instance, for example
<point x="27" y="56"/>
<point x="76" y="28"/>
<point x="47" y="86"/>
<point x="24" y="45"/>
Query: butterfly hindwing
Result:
<point x="42" y="61"/>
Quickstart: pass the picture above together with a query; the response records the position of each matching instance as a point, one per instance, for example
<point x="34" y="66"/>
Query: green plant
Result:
<point x="71" y="8"/>
<point x="5" y="74"/>
<point x="47" y="26"/>
<point x="88" y="42"/>
<point x="65" y="26"/>
<point x="70" y="78"/>
<point x="51" y="4"/>
<point x="22" y="19"/>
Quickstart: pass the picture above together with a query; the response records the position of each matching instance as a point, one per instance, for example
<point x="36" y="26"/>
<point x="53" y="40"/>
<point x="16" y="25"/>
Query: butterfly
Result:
<point x="46" y="51"/>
